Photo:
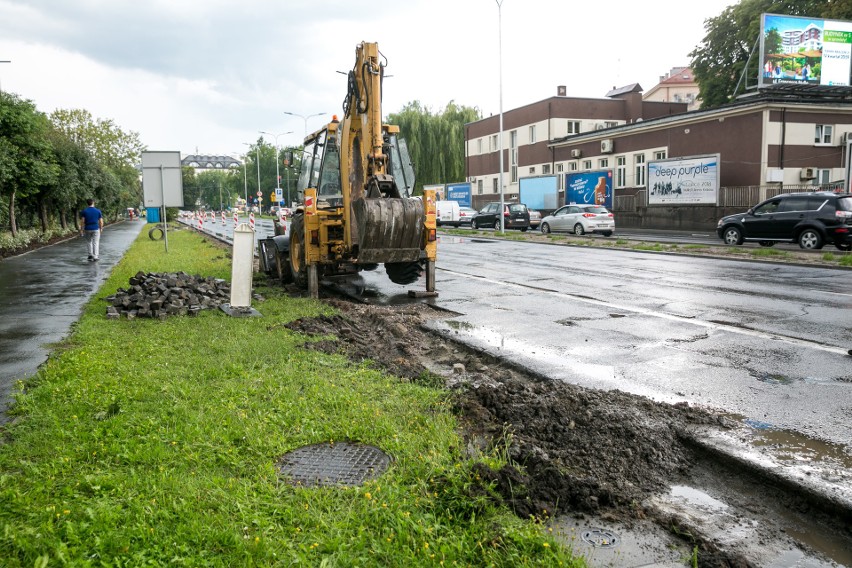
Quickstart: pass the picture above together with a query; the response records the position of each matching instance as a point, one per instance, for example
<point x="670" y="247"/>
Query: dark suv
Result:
<point x="515" y="216"/>
<point x="810" y="219"/>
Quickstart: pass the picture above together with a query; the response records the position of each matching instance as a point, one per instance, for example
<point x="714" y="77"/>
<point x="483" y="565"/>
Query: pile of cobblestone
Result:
<point x="159" y="295"/>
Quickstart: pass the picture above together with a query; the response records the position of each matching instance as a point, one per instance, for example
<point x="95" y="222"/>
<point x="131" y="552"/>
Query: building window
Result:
<point x="823" y="177"/>
<point x="479" y="146"/>
<point x="823" y="134"/>
<point x="494" y="185"/>
<point x="603" y="163"/>
<point x="479" y="187"/>
<point x="660" y="155"/>
<point x="493" y="142"/>
<point x="532" y="171"/>
<point x="639" y="170"/>
<point x="610" y="123"/>
<point x="573" y="127"/>
<point x="532" y="134"/>
<point x="560" y="168"/>
<point x="545" y="169"/>
<point x="513" y="155"/>
<point x="587" y="164"/>
<point x="620" y="171"/>
<point x="572" y="166"/>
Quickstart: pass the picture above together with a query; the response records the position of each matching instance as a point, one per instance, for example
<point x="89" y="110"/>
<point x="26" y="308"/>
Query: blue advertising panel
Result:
<point x="589" y="187"/>
<point x="459" y="192"/>
<point x="539" y="192"/>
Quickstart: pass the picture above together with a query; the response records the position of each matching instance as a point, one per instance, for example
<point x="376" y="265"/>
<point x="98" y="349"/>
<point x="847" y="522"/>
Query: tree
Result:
<point x="435" y="141"/>
<point x="25" y="154"/>
<point x="719" y="61"/>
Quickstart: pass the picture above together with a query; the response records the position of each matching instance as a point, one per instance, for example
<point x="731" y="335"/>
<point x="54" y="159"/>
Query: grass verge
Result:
<point x="144" y="442"/>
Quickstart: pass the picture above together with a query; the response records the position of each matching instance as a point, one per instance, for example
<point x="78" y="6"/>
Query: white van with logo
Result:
<point x="448" y="213"/>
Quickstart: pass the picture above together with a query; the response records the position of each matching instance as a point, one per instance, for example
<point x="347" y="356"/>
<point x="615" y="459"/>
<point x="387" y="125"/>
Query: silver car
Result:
<point x="580" y="219"/>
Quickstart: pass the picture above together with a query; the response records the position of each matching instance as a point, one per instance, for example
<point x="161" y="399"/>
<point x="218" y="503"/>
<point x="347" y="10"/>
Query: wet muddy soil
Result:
<point x="592" y="456"/>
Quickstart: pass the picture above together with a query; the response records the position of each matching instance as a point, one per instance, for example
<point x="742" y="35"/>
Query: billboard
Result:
<point x="162" y="179"/>
<point x="539" y="192"/>
<point x="459" y="192"/>
<point x="684" y="181"/>
<point x="589" y="187"/>
<point x="807" y="51"/>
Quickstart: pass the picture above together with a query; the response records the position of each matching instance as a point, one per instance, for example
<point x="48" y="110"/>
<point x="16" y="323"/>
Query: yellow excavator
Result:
<point x="356" y="208"/>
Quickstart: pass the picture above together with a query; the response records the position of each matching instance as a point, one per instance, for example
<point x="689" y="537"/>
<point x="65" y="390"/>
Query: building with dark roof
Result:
<point x="203" y="163"/>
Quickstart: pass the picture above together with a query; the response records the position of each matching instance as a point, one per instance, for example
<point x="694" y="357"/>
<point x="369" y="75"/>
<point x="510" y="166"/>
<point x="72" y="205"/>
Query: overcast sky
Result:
<point x="207" y="76"/>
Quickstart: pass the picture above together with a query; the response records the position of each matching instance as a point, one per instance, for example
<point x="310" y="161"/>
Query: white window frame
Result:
<point x="573" y="126"/>
<point x="823" y="134"/>
<point x="532" y="170"/>
<point x="494" y="185"/>
<point x="603" y="163"/>
<point x="513" y="156"/>
<point x="572" y="166"/>
<point x="639" y="170"/>
<point x="660" y="155"/>
<point x="479" y="187"/>
<point x="545" y="169"/>
<point x="587" y="164"/>
<point x="493" y="142"/>
<point x="479" y="146"/>
<point x="560" y="168"/>
<point x="621" y="171"/>
<point x="823" y="176"/>
<point x="532" y="133"/>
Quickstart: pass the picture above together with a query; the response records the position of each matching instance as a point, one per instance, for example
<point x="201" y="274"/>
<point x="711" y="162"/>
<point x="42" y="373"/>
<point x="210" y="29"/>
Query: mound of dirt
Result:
<point x="578" y="449"/>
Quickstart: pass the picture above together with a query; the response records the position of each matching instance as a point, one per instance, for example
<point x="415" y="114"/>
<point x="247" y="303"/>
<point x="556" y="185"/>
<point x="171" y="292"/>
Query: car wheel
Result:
<point x="545" y="229"/>
<point x="843" y="246"/>
<point x="579" y="230"/>
<point x="496" y="225"/>
<point x="607" y="233"/>
<point x="524" y="229"/>
<point x="767" y="243"/>
<point x="474" y="224"/>
<point x="810" y="239"/>
<point x="732" y="236"/>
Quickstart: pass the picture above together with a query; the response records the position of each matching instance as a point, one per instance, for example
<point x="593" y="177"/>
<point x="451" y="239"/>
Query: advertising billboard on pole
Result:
<point x="539" y="192"/>
<point x="589" y="187"/>
<point x="806" y="51"/>
<point x="459" y="192"/>
<point x="684" y="181"/>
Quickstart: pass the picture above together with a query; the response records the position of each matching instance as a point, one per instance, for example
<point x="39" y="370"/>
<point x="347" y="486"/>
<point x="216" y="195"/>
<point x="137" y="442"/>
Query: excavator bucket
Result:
<point x="389" y="229"/>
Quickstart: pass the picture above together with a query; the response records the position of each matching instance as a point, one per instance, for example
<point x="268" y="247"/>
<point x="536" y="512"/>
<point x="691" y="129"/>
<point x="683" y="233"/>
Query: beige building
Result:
<point x="678" y="86"/>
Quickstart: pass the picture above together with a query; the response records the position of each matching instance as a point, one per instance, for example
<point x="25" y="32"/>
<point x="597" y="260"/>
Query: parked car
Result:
<point x="447" y="213"/>
<point x="580" y="219"/>
<point x="810" y="219"/>
<point x="515" y="216"/>
<point x="535" y="219"/>
<point x="466" y="215"/>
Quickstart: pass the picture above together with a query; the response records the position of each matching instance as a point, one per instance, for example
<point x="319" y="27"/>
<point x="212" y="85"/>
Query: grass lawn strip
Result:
<point x="145" y="442"/>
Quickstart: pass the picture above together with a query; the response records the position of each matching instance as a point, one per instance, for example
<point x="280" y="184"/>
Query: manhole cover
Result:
<point x="339" y="463"/>
<point x="600" y="538"/>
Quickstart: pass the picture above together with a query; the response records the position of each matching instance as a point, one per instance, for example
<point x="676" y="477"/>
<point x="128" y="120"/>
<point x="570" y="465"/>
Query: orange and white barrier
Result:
<point x="200" y="224"/>
<point x="236" y="219"/>
<point x="251" y="220"/>
<point x="223" y="218"/>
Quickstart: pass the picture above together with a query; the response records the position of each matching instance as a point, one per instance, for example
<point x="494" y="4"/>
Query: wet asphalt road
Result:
<point x="43" y="293"/>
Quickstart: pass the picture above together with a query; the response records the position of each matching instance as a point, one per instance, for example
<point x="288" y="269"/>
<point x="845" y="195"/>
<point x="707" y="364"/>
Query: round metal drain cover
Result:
<point x="339" y="463"/>
<point x="600" y="538"/>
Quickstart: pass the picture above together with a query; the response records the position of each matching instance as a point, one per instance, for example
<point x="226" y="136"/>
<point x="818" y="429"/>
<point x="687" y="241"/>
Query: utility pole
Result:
<point x="277" y="174"/>
<point x="305" y="118"/>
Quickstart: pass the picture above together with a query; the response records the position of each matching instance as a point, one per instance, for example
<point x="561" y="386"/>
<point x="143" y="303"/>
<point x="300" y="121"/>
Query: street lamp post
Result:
<point x="500" y="74"/>
<point x="277" y="174"/>
<point x="305" y="118"/>
<point x="245" y="175"/>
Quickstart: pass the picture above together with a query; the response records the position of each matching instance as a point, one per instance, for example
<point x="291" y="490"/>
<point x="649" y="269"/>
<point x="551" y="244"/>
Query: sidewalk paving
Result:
<point x="43" y="294"/>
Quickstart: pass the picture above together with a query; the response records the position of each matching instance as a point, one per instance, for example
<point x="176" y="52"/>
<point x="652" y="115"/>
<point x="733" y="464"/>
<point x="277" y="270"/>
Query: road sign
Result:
<point x="279" y="194"/>
<point x="260" y="194"/>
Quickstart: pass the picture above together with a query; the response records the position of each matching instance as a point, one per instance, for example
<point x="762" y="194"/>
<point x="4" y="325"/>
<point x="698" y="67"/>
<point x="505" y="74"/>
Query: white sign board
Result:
<point x="684" y="181"/>
<point x="162" y="183"/>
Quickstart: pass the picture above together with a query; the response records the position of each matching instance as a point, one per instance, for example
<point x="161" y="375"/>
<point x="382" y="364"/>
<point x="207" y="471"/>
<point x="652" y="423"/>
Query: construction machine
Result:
<point x="356" y="209"/>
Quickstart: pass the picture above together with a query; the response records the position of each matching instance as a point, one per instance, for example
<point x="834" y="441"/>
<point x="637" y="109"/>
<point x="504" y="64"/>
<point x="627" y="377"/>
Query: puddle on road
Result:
<point x="781" y="379"/>
<point x="698" y="498"/>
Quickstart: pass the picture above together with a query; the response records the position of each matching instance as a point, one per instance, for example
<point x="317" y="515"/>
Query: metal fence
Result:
<point x="733" y="196"/>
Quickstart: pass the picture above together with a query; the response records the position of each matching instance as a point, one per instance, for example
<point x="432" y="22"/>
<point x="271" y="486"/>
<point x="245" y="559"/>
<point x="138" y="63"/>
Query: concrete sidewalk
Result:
<point x="42" y="293"/>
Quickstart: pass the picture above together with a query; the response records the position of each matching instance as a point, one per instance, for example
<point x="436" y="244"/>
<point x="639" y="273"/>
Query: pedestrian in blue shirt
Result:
<point x="91" y="225"/>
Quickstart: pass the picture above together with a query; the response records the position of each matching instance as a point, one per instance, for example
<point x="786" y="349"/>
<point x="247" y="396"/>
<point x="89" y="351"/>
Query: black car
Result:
<point x="515" y="216"/>
<point x="810" y="219"/>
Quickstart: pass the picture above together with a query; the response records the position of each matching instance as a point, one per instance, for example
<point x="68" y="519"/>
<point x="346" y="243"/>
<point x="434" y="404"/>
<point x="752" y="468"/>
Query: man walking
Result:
<point x="91" y="224"/>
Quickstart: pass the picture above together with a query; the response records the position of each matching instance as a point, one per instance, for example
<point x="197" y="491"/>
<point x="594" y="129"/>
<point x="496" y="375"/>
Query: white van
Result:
<point x="448" y="213"/>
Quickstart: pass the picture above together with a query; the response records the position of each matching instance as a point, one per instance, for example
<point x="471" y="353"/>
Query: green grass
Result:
<point x="144" y="442"/>
<point x="846" y="260"/>
<point x="766" y="252"/>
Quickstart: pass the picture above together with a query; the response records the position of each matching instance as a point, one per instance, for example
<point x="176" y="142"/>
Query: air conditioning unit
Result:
<point x="576" y="153"/>
<point x="606" y="146"/>
<point x="807" y="173"/>
<point x="600" y="126"/>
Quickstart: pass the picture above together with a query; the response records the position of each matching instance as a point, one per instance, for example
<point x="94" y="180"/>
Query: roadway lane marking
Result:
<point x="662" y="315"/>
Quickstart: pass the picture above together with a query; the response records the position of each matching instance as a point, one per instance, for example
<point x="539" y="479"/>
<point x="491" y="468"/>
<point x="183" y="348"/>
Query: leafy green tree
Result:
<point x="191" y="188"/>
<point x="435" y="141"/>
<point x="26" y="162"/>
<point x="719" y="61"/>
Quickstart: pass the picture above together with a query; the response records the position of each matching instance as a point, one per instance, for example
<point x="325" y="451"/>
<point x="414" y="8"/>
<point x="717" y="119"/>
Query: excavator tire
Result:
<point x="298" y="268"/>
<point x="282" y="268"/>
<point x="403" y="272"/>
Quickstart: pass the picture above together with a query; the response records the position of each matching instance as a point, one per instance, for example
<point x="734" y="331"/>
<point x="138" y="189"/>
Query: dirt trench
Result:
<point x="575" y="450"/>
